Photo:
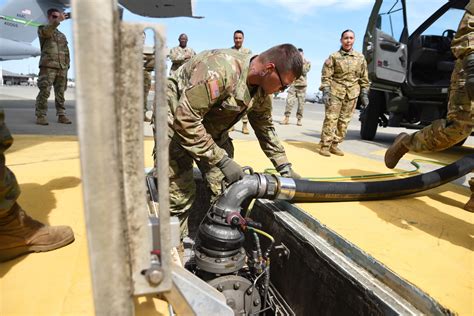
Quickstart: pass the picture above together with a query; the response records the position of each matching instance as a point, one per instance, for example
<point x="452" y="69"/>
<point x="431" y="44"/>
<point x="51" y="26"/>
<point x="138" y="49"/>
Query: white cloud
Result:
<point x="305" y="7"/>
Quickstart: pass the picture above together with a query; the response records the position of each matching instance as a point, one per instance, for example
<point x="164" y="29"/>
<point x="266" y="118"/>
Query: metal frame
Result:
<point x="109" y="94"/>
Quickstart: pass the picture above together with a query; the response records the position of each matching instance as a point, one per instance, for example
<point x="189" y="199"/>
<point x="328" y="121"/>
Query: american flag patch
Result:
<point x="213" y="88"/>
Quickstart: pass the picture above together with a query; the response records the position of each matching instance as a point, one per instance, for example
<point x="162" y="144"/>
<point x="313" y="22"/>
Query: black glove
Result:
<point x="326" y="96"/>
<point x="286" y="171"/>
<point x="468" y="65"/>
<point x="231" y="170"/>
<point x="364" y="98"/>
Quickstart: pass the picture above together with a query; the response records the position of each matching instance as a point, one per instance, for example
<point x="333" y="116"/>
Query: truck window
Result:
<point x="391" y="18"/>
<point x="448" y="21"/>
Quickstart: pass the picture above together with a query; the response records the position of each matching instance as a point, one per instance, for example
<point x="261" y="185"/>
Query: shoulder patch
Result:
<point x="213" y="88"/>
<point x="327" y="62"/>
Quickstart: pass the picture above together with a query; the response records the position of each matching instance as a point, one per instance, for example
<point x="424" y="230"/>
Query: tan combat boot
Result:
<point x="299" y="123"/>
<point x="245" y="129"/>
<point x="335" y="150"/>
<point x="396" y="151"/>
<point x="146" y="118"/>
<point x="324" y="151"/>
<point x="63" y="119"/>
<point x="285" y="121"/>
<point x="20" y="234"/>
<point x="42" y="120"/>
<point x="470" y="204"/>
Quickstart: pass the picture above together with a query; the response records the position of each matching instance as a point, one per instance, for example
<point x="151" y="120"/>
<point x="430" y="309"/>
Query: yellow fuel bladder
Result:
<point x="427" y="238"/>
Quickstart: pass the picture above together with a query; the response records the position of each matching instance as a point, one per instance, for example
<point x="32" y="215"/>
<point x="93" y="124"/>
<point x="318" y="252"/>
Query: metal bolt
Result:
<point x="230" y="302"/>
<point x="236" y="285"/>
<point x="202" y="256"/>
<point x="256" y="302"/>
<point x="220" y="288"/>
<point x="154" y="276"/>
<point x="218" y="260"/>
<point x="249" y="291"/>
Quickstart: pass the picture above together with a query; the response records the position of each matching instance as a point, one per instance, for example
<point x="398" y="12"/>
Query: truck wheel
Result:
<point x="369" y="121"/>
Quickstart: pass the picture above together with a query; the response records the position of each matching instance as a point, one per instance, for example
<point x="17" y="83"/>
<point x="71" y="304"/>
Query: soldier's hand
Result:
<point x="364" y="98"/>
<point x="287" y="171"/>
<point x="468" y="65"/>
<point x="326" y="96"/>
<point x="231" y="170"/>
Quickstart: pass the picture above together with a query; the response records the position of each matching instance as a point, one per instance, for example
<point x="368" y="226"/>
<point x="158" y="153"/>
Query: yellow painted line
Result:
<point x="427" y="239"/>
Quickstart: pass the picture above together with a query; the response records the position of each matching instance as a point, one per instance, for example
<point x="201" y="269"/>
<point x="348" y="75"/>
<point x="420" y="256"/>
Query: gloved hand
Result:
<point x="364" y="98"/>
<point x="231" y="170"/>
<point x="468" y="65"/>
<point x="326" y="96"/>
<point x="286" y="171"/>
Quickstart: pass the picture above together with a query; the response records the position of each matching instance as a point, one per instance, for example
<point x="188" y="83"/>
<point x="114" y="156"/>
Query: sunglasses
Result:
<point x="55" y="16"/>
<point x="283" y="86"/>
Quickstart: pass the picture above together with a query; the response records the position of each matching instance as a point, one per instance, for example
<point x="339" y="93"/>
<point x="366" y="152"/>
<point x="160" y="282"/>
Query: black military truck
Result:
<point x="410" y="73"/>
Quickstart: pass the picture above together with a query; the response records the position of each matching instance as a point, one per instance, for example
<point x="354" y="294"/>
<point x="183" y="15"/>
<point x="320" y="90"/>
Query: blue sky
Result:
<point x="314" y="25"/>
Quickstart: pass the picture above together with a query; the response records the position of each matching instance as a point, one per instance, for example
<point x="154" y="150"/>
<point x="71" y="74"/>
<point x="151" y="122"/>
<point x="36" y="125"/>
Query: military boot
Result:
<point x="285" y="121"/>
<point x="470" y="204"/>
<point x="335" y="150"/>
<point x="63" y="119"/>
<point x="146" y="118"/>
<point x="42" y="120"/>
<point x="396" y="151"/>
<point x="20" y="234"/>
<point x="245" y="129"/>
<point x="299" y="123"/>
<point x="324" y="151"/>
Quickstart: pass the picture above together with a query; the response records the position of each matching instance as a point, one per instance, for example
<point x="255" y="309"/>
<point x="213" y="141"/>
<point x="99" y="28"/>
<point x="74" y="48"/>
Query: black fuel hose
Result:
<point x="318" y="191"/>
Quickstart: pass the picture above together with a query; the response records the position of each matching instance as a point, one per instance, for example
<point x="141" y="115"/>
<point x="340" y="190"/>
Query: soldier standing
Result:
<point x="445" y="133"/>
<point x="297" y="94"/>
<point x="205" y="98"/>
<point x="238" y="42"/>
<point x="344" y="76"/>
<point x="19" y="233"/>
<point x="54" y="64"/>
<point x="180" y="54"/>
<point x="148" y="67"/>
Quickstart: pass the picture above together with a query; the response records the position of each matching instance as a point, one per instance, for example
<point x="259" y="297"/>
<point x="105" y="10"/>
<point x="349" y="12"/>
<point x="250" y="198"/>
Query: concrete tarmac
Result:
<point x="19" y="105"/>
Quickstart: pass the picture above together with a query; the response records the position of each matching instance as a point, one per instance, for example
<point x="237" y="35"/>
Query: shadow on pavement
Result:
<point x="38" y="200"/>
<point x="408" y="212"/>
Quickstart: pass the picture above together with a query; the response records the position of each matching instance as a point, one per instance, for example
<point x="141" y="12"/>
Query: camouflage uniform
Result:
<point x="179" y="56"/>
<point x="54" y="64"/>
<point x="248" y="51"/>
<point x="444" y="133"/>
<point x="297" y="92"/>
<point x="206" y="97"/>
<point x="148" y="67"/>
<point x="9" y="189"/>
<point x="345" y="74"/>
<point x="243" y="50"/>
